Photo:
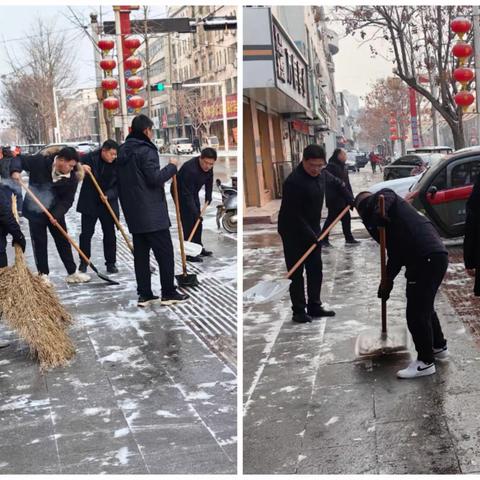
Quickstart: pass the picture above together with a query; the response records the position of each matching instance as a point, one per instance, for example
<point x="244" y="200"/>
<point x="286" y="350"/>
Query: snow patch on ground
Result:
<point x="332" y="421"/>
<point x="166" y="414"/>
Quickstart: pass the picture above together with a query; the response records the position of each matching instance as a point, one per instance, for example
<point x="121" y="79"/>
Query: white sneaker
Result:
<point x="78" y="277"/>
<point x="44" y="278"/>
<point x="441" y="353"/>
<point x="417" y="369"/>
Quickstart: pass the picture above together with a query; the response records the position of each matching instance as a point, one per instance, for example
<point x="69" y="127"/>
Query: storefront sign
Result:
<point x="301" y="127"/>
<point x="213" y="110"/>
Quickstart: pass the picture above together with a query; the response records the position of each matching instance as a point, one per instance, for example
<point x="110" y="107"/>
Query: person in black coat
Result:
<point x="6" y="158"/>
<point x="299" y="227"/>
<point x="101" y="163"/>
<point x="196" y="144"/>
<point x="191" y="177"/>
<point x="142" y="196"/>
<point x="53" y="179"/>
<point x="335" y="199"/>
<point x="471" y="244"/>
<point x="8" y="225"/>
<point x="413" y="243"/>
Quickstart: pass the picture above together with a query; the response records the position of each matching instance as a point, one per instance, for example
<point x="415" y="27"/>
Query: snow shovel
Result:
<point x="371" y="344"/>
<point x="183" y="280"/>
<point x="197" y="223"/>
<point x="273" y="290"/>
<point x="66" y="235"/>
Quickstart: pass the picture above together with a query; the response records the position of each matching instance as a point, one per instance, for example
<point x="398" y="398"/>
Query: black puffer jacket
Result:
<point x="5" y="167"/>
<point x="334" y="195"/>
<point x="89" y="202"/>
<point x="471" y="244"/>
<point x="410" y="235"/>
<point x="57" y="197"/>
<point x="141" y="185"/>
<point x="302" y="202"/>
<point x="8" y="224"/>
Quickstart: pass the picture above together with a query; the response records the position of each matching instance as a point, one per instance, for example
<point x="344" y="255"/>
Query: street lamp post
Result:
<point x="57" y="136"/>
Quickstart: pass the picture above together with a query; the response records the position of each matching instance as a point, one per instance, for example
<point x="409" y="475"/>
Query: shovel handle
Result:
<point x="383" y="261"/>
<point x="319" y="239"/>
<point x="57" y="225"/>
<point x="110" y="210"/>
<point x="179" y="224"/>
<point x="197" y="223"/>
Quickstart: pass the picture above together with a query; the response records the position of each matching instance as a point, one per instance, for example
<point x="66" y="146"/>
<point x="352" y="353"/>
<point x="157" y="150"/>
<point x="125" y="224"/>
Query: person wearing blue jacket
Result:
<point x="141" y="189"/>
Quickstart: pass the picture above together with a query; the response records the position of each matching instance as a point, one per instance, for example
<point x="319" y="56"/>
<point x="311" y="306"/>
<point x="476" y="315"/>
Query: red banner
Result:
<point x="214" y="111"/>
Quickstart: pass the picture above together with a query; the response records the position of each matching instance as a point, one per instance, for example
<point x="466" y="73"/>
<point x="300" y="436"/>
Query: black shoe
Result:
<point x="352" y="241"/>
<point x="112" y="268"/>
<point x="301" y="318"/>
<point x="174" y="298"/>
<point x="316" y="310"/>
<point x="82" y="267"/>
<point x="144" y="301"/>
<point x="326" y="243"/>
<point x="194" y="259"/>
<point x="205" y="253"/>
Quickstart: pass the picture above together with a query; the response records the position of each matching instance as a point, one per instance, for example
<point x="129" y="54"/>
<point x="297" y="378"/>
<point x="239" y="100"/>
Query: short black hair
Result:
<point x="313" y="151"/>
<point x="68" y="153"/>
<point x="109" y="145"/>
<point x="140" y="123"/>
<point x="7" y="151"/>
<point x="208" y="153"/>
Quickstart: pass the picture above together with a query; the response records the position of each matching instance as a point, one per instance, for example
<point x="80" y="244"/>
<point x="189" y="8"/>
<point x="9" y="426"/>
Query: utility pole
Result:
<point x="56" y="132"/>
<point x="121" y="72"/>
<point x="476" y="40"/>
<point x="147" y="61"/>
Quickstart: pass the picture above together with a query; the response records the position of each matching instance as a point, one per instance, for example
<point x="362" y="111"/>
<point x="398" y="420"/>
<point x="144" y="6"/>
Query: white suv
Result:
<point x="180" y="146"/>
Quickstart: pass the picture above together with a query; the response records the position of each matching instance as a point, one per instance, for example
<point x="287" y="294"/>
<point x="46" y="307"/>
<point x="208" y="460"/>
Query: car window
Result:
<point x="465" y="174"/>
<point x="440" y="181"/>
<point x="408" y="160"/>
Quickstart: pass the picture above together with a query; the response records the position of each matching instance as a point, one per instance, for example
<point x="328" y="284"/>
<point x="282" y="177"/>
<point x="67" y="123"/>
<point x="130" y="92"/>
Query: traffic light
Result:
<point x="157" y="87"/>
<point x="176" y="86"/>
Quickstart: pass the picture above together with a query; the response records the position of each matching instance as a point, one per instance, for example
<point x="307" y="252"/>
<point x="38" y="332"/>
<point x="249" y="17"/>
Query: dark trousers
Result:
<point x="423" y="280"/>
<point x="161" y="244"/>
<point x="293" y="250"/>
<point x="38" y="233"/>
<point x="189" y="219"/>
<point x="3" y="250"/>
<point x="346" y="223"/>
<point x="109" y="238"/>
<point x="374" y="166"/>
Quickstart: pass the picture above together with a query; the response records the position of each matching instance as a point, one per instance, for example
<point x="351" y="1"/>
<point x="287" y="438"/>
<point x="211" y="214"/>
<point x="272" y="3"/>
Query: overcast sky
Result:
<point x="15" y="23"/>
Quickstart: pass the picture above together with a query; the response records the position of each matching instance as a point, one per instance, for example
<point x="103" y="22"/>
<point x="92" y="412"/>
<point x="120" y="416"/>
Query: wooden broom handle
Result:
<point x="319" y="239"/>
<point x="179" y="225"/>
<point x="110" y="210"/>
<point x="54" y="222"/>
<point x="197" y="223"/>
<point x="383" y="261"/>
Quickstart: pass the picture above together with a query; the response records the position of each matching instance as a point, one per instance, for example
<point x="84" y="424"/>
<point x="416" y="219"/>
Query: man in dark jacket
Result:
<point x="101" y="163"/>
<point x="53" y="179"/>
<point x="191" y="177"/>
<point x="413" y="243"/>
<point x="299" y="227"/>
<point x="144" y="204"/>
<point x="8" y="225"/>
<point x="471" y="244"/>
<point x="335" y="199"/>
<point x="7" y="156"/>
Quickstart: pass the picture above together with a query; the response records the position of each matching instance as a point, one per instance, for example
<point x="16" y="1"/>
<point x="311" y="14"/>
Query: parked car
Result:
<point x="401" y="186"/>
<point x="361" y="159"/>
<point x="180" y="146"/>
<point x="81" y="147"/>
<point x="31" y="148"/>
<point x="431" y="149"/>
<point x="212" y="142"/>
<point x="442" y="191"/>
<point x="351" y="162"/>
<point x="407" y="165"/>
<point x="160" y="144"/>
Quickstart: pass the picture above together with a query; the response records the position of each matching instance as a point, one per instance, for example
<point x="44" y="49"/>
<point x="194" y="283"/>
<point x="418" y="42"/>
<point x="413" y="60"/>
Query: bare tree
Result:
<point x="47" y="58"/>
<point x="420" y="40"/>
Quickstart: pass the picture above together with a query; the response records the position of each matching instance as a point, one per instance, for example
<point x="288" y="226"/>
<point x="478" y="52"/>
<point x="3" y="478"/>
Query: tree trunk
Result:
<point x="457" y="133"/>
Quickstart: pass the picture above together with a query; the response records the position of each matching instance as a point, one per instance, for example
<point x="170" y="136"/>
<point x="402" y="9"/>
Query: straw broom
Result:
<point x="32" y="308"/>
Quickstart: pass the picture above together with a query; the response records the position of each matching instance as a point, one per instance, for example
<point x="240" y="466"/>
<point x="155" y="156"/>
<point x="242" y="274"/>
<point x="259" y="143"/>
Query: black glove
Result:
<point x="21" y="242"/>
<point x="384" y="291"/>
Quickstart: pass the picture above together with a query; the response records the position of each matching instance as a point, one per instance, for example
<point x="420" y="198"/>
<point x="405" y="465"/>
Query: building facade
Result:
<point x="289" y="94"/>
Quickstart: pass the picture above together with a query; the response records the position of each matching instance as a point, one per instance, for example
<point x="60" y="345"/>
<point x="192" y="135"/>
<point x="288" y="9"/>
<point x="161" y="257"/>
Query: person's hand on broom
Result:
<point x="21" y="242"/>
<point x="87" y="168"/>
<point x="384" y="290"/>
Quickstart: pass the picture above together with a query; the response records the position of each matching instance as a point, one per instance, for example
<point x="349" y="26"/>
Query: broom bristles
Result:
<point x="33" y="310"/>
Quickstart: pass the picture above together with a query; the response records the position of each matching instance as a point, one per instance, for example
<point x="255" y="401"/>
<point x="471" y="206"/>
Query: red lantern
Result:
<point x="461" y="26"/>
<point x="393" y="121"/>
<point x="131" y="43"/>
<point x="109" y="84"/>
<point x="105" y="44"/>
<point x="133" y="64"/>
<point x="108" y="64"/>
<point x="463" y="75"/>
<point x="464" y="99"/>
<point x="393" y="129"/>
<point x="462" y="51"/>
<point x="393" y="137"/>
<point x="111" y="103"/>
<point x="135" y="83"/>
<point x="136" y="102"/>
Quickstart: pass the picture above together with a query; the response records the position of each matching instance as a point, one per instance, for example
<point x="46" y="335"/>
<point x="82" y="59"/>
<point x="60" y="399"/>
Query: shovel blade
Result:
<point x="267" y="291"/>
<point x="191" y="249"/>
<point x="376" y="344"/>
<point x="188" y="280"/>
